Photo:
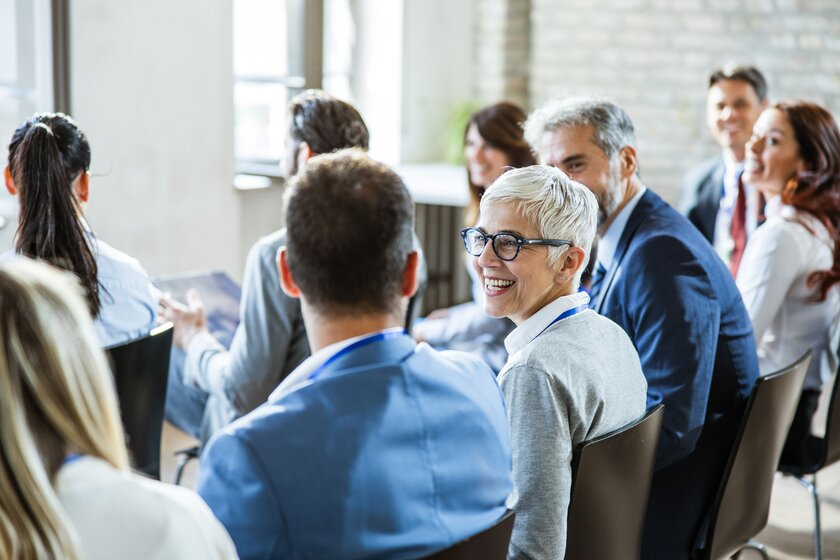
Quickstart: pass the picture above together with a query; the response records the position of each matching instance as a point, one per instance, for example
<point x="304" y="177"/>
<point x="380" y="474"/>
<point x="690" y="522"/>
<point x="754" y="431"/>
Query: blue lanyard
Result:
<point x="565" y="315"/>
<point x="355" y="346"/>
<point x="71" y="458"/>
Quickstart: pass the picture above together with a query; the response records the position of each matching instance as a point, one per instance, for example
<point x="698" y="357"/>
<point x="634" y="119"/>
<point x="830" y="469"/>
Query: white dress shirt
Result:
<point x="534" y="325"/>
<point x="779" y="258"/>
<point x="122" y="515"/>
<point x="723" y="223"/>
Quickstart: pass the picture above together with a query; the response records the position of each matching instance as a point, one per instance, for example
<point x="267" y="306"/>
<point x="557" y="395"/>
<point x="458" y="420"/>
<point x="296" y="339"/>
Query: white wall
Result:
<point x="437" y="73"/>
<point x="152" y="87"/>
<point x="413" y="66"/>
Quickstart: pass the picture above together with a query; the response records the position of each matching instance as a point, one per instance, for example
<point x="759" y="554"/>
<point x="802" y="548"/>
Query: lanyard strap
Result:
<point x="71" y="458"/>
<point x="565" y="315"/>
<point x="353" y="347"/>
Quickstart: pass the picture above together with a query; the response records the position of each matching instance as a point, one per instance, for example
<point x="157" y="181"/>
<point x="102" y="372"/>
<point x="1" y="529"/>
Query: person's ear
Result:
<point x="10" y="183"/>
<point x="287" y="281"/>
<point x="304" y="154"/>
<point x="572" y="261"/>
<point x="83" y="186"/>
<point x="411" y="275"/>
<point x="629" y="163"/>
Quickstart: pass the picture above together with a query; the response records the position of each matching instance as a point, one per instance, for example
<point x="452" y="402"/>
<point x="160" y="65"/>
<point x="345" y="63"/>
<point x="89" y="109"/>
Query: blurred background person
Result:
<point x="791" y="268"/>
<point x="712" y="196"/>
<point x="66" y="488"/>
<point x="49" y="159"/>
<point x="493" y="141"/>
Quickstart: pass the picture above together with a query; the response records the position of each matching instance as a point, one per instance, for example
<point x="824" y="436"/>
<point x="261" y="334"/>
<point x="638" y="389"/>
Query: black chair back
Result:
<point x="742" y="505"/>
<point x="490" y="544"/>
<point x="611" y="477"/>
<point x="140" y="369"/>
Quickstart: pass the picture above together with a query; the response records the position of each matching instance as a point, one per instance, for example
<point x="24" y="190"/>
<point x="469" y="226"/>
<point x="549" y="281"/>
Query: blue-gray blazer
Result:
<point x="392" y="450"/>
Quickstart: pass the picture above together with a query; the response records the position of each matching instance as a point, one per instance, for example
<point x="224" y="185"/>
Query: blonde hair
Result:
<point x="56" y="396"/>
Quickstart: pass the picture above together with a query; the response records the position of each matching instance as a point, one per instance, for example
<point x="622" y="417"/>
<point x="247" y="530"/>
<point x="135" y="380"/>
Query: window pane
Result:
<point x="259" y="121"/>
<point x="339" y="46"/>
<point x="259" y="38"/>
<point x="8" y="43"/>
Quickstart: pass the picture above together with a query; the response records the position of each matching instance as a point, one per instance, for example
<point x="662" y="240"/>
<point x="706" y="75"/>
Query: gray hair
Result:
<point x="559" y="207"/>
<point x="612" y="127"/>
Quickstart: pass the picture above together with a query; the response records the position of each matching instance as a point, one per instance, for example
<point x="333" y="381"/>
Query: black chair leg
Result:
<point x="184" y="457"/>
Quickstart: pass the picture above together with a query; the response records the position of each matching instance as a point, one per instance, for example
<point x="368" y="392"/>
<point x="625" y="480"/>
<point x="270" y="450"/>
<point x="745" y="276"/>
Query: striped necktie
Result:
<point x="597" y="280"/>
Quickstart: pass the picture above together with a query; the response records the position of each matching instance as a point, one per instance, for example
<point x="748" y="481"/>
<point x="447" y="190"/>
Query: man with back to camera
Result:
<point x="662" y="282"/>
<point x="374" y="446"/>
<point x="725" y="209"/>
<point x="209" y="386"/>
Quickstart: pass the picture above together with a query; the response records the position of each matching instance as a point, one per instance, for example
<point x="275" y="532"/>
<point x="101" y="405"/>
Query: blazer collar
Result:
<point x="649" y="202"/>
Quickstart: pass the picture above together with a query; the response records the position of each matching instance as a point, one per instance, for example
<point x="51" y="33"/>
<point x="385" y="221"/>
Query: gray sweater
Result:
<point x="579" y="379"/>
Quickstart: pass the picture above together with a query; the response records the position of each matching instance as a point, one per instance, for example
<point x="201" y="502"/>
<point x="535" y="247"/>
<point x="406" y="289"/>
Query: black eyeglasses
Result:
<point x="505" y="245"/>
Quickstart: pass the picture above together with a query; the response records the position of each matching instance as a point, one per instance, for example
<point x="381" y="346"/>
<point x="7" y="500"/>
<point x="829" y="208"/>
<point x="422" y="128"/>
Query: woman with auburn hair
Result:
<point x="493" y="142"/>
<point x="49" y="158"/>
<point x="65" y="486"/>
<point x="790" y="273"/>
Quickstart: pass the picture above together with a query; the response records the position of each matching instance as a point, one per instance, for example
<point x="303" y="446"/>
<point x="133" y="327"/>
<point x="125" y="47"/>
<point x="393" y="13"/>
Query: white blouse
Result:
<point x="779" y="258"/>
<point x="123" y="515"/>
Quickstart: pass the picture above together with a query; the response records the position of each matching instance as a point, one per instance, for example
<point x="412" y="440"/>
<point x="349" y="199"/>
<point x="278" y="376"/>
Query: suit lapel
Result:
<point x="639" y="215"/>
<point x="709" y="198"/>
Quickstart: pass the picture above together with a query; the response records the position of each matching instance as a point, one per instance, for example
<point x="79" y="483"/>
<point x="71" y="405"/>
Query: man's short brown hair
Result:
<point x="350" y="223"/>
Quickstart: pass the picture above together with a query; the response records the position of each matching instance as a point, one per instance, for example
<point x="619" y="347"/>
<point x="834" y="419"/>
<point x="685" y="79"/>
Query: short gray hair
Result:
<point x="612" y="127"/>
<point x="559" y="207"/>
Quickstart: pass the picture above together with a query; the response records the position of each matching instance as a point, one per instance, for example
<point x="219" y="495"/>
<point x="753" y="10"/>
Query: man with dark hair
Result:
<point x="661" y="282"/>
<point x="374" y="446"/>
<point x="320" y="124"/>
<point x="712" y="195"/>
<point x="210" y="386"/>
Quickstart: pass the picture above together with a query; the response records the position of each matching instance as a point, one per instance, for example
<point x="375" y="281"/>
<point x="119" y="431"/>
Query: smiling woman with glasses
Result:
<point x="572" y="374"/>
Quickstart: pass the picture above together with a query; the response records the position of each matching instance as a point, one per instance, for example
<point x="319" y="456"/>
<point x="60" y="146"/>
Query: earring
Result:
<point x="791" y="186"/>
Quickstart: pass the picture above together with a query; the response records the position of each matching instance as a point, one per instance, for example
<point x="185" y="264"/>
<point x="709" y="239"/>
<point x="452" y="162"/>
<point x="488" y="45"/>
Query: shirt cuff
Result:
<point x="201" y="349"/>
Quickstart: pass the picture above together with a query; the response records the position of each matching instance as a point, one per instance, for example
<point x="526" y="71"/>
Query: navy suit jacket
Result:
<point x="700" y="195"/>
<point x="394" y="450"/>
<point x="679" y="304"/>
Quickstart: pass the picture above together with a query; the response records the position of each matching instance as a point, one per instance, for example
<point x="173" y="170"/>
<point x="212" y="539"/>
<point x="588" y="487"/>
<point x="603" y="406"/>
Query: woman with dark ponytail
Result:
<point x="49" y="158"/>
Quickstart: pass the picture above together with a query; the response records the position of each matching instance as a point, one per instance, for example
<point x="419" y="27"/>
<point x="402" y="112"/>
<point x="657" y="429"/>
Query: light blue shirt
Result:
<point x="128" y="304"/>
<point x="608" y="243"/>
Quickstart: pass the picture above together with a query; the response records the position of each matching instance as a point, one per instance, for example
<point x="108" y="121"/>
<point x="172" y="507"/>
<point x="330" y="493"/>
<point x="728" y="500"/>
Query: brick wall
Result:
<point x="653" y="57"/>
<point x="502" y="50"/>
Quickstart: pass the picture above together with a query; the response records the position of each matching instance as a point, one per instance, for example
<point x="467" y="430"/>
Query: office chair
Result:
<point x="140" y="368"/>
<point x="742" y="504"/>
<point x="611" y="477"/>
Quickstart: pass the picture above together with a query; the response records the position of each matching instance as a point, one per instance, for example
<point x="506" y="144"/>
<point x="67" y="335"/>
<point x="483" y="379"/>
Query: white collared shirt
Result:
<point x="608" y="243"/>
<point x="534" y="325"/>
<point x="773" y="280"/>
<point x="300" y="376"/>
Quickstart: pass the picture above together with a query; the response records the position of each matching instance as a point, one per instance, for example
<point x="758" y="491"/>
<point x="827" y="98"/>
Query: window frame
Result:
<point x="305" y="71"/>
